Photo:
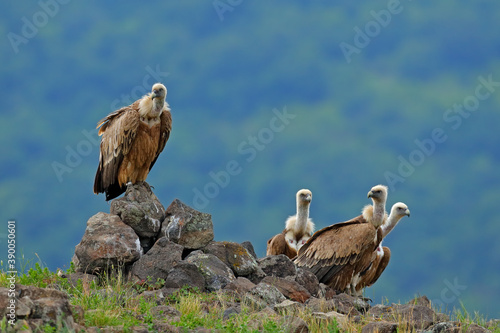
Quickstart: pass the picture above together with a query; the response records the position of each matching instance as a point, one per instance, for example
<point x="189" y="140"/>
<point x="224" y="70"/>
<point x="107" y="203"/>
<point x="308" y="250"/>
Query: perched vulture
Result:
<point x="339" y="253"/>
<point x="132" y="139"/>
<point x="382" y="253"/>
<point x="298" y="229"/>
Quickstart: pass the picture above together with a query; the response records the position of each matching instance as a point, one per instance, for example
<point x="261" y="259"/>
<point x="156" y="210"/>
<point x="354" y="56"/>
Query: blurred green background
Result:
<point x="372" y="92"/>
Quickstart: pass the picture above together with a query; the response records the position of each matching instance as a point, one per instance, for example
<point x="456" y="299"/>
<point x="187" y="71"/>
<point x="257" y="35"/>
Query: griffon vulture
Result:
<point x="382" y="253"/>
<point x="298" y="229"/>
<point x="132" y="139"/>
<point x="337" y="254"/>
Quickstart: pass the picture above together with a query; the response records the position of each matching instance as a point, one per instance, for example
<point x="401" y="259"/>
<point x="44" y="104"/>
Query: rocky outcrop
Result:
<point x="37" y="307"/>
<point x="107" y="243"/>
<point x="188" y="227"/>
<point x="166" y="250"/>
<point x="140" y="209"/>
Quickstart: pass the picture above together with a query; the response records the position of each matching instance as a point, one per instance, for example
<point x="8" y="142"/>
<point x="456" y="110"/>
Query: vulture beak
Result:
<point x="407" y="212"/>
<point x="308" y="198"/>
<point x="154" y="94"/>
<point x="370" y="194"/>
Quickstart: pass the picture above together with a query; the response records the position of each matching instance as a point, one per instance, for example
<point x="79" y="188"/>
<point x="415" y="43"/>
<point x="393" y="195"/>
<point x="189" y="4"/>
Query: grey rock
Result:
<point x="247" y="245"/>
<point x="295" y="324"/>
<point x="279" y="266"/>
<point x="229" y="312"/>
<point x="107" y="243"/>
<point x="288" y="306"/>
<point x="455" y="327"/>
<point x="140" y="209"/>
<point x="156" y="264"/>
<point x="234" y="256"/>
<point x="217" y="275"/>
<point x="241" y="285"/>
<point x="185" y="274"/>
<point x="289" y="288"/>
<point x="380" y="327"/>
<point x="78" y="277"/>
<point x="341" y="320"/>
<point x="263" y="295"/>
<point x="187" y="226"/>
<point x="162" y="311"/>
<point x="308" y="280"/>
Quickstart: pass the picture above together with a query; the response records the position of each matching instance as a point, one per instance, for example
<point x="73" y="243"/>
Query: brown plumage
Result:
<point x="382" y="253"/>
<point x="339" y="253"/>
<point x="132" y="139"/>
<point x="298" y="229"/>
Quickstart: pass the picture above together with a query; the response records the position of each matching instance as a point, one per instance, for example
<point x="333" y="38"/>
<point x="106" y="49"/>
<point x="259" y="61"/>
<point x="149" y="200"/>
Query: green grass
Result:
<point x="114" y="302"/>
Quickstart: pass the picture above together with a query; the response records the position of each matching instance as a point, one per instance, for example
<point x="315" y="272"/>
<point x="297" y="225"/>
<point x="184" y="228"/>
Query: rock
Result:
<point x="234" y="256"/>
<point x="162" y="311"/>
<point x="107" y="243"/>
<point x="345" y="304"/>
<point x="326" y="292"/>
<point x="308" y="280"/>
<point x="217" y="275"/>
<point x="380" y="311"/>
<point x="421" y="300"/>
<point x="263" y="295"/>
<point x="78" y="277"/>
<point x="188" y="227"/>
<point x="156" y="264"/>
<point x="341" y="320"/>
<point x="342" y="303"/>
<point x="289" y="288"/>
<point x="455" y="327"/>
<point x="241" y="285"/>
<point x="249" y="247"/>
<point x="140" y="209"/>
<point x="279" y="266"/>
<point x="288" y="306"/>
<point x="161" y="326"/>
<point x="294" y="324"/>
<point x="185" y="274"/>
<point x="229" y="312"/>
<point x="44" y="306"/>
<point x="153" y="295"/>
<point x="380" y="327"/>
<point x="420" y="317"/>
<point x="416" y="316"/>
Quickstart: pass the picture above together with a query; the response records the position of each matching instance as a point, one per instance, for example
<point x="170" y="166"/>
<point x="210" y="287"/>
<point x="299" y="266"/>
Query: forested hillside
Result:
<point x="333" y="97"/>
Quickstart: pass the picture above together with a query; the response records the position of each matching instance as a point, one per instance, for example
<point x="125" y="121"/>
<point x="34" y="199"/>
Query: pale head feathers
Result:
<point x="304" y="197"/>
<point x="378" y="193"/>
<point x="153" y="104"/>
<point x="158" y="91"/>
<point x="400" y="209"/>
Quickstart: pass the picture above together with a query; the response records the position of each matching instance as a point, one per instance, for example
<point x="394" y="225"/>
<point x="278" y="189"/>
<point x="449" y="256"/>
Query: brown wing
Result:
<point x="165" y="128"/>
<point x="336" y="248"/>
<point x="118" y="132"/>
<point x="379" y="267"/>
<point x="279" y="245"/>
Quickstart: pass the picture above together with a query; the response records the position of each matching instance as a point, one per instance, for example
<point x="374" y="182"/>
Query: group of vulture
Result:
<point x="346" y="256"/>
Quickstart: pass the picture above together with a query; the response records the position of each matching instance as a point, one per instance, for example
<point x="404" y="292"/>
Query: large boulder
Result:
<point x="188" y="227"/>
<point x="40" y="307"/>
<point x="185" y="274"/>
<point x="234" y="255"/>
<point x="140" y="209"/>
<point x="217" y="275"/>
<point x="289" y="288"/>
<point x="279" y="266"/>
<point x="156" y="264"/>
<point x="107" y="242"/>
